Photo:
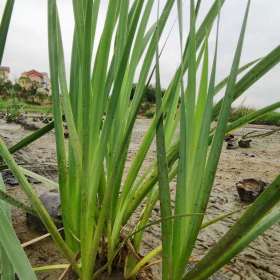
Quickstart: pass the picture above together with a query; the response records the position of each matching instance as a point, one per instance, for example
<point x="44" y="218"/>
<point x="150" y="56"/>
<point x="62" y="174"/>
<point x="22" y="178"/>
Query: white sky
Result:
<point x="27" y="40"/>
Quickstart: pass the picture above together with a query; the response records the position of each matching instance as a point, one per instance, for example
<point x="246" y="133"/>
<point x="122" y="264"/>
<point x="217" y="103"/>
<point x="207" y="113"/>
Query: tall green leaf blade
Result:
<point x="4" y="26"/>
<point x="196" y="199"/>
<point x="253" y="222"/>
<point x="8" y="199"/>
<point x="203" y="30"/>
<point x="253" y="75"/>
<point x="6" y="267"/>
<point x="216" y="147"/>
<point x="13" y="250"/>
<point x="57" y="111"/>
<point x="253" y="116"/>
<point x="188" y="101"/>
<point x="163" y="181"/>
<point x="13" y="258"/>
<point x="31" y="137"/>
<point x="245" y="67"/>
<point x="36" y="203"/>
<point x="140" y="89"/>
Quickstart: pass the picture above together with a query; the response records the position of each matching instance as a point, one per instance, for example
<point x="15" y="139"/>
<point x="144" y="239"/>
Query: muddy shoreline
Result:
<point x="261" y="260"/>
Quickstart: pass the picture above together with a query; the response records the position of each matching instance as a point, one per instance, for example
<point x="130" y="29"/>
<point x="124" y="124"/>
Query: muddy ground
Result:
<point x="261" y="260"/>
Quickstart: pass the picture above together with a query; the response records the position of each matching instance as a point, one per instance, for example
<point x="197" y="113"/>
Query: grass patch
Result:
<point x="24" y="107"/>
<point x="271" y="118"/>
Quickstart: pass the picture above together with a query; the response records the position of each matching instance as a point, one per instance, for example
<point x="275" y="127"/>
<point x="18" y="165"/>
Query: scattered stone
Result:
<point x="229" y="137"/>
<point x="30" y="126"/>
<point x="249" y="155"/>
<point x="156" y="209"/>
<point x="21" y="119"/>
<point x="33" y="180"/>
<point x="66" y="131"/>
<point x="51" y="201"/>
<point x="249" y="189"/>
<point x="244" y="143"/>
<point x="11" y="181"/>
<point x="9" y="178"/>
<point x="232" y="144"/>
<point x="27" y="124"/>
<point x="47" y="120"/>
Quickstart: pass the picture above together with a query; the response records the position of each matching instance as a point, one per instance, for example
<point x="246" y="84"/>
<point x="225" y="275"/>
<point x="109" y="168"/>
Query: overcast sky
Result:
<point x="27" y="40"/>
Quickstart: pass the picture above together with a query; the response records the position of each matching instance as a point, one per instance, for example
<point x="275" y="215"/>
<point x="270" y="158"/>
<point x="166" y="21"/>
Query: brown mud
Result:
<point x="260" y="260"/>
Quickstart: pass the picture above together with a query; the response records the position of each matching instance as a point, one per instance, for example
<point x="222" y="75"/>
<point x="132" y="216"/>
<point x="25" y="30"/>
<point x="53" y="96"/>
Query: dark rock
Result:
<point x="232" y="144"/>
<point x="2" y="115"/>
<point x="229" y="137"/>
<point x="249" y="189"/>
<point x="33" y="180"/>
<point x="244" y="143"/>
<point x="249" y="155"/>
<point x="45" y="121"/>
<point x="10" y="180"/>
<point x="66" y="134"/>
<point x="8" y="120"/>
<point x="156" y="209"/>
<point x="30" y="126"/>
<point x="21" y="119"/>
<point x="51" y="201"/>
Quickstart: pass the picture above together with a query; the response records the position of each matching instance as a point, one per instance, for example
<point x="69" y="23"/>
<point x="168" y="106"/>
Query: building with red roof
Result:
<point x="33" y="77"/>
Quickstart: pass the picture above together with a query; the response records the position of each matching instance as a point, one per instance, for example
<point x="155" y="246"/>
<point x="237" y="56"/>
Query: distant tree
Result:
<point x="6" y="87"/>
<point x="18" y="90"/>
<point x="149" y="95"/>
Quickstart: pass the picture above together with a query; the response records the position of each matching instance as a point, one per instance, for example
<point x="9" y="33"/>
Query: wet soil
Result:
<point x="261" y="260"/>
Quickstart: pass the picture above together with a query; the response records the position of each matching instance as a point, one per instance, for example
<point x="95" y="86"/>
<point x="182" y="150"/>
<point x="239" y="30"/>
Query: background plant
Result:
<point x="270" y="118"/>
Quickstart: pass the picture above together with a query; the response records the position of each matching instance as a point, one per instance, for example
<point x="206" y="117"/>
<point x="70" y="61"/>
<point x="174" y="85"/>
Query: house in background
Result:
<point x="34" y="78"/>
<point x="4" y="73"/>
<point x="46" y="81"/>
<point x="25" y="82"/>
